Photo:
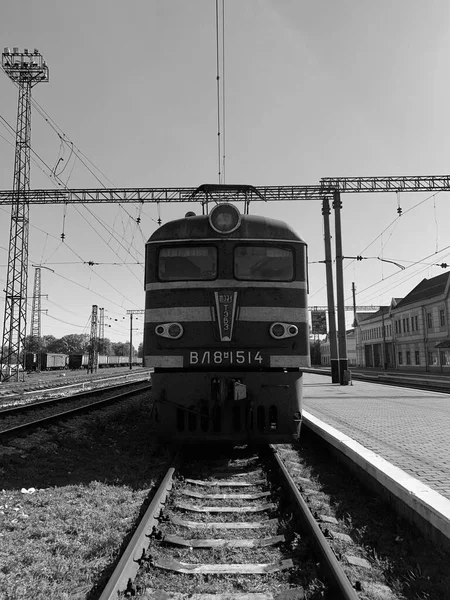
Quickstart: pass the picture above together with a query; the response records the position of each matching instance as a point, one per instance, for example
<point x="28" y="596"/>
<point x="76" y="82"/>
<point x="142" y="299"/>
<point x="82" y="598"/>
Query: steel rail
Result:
<point x="19" y="429"/>
<point x="336" y="574"/>
<point x="129" y="563"/>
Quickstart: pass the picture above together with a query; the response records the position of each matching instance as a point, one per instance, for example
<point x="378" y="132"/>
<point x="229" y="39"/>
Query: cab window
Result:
<point x="263" y="263"/>
<point x="187" y="263"/>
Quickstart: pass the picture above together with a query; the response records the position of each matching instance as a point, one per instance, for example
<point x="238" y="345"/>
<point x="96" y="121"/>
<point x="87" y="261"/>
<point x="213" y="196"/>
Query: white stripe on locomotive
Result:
<point x="246" y="313"/>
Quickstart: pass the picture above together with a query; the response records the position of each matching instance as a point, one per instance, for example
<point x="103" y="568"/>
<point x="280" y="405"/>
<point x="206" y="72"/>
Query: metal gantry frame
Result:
<point x="207" y="193"/>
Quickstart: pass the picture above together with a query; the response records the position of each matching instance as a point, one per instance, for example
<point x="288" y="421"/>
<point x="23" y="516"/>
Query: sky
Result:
<point x="312" y="89"/>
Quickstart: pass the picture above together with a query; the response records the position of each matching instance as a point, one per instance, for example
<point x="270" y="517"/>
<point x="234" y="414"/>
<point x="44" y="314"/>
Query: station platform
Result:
<point x="399" y="436"/>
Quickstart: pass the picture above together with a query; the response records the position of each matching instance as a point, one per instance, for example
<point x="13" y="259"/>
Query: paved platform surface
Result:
<point x="408" y="428"/>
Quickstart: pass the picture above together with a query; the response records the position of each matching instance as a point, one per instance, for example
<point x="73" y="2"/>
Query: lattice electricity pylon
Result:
<point x="35" y="329"/>
<point x="26" y="70"/>
<point x="101" y="330"/>
<point x="93" y="341"/>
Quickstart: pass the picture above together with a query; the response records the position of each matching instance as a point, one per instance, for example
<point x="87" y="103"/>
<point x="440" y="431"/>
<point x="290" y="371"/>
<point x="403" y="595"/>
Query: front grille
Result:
<point x="195" y="421"/>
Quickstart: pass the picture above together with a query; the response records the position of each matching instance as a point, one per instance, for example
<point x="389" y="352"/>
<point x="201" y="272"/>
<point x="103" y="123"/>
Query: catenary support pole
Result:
<point x="342" y="341"/>
<point x="330" y="293"/>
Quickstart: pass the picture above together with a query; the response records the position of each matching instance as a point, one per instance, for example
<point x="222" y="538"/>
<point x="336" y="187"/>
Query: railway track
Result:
<point x="225" y="529"/>
<point x="17" y="420"/>
<point x="49" y="385"/>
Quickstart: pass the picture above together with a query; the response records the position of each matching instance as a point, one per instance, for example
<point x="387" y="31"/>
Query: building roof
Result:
<point x="383" y="310"/>
<point x="361" y="316"/>
<point x="426" y="289"/>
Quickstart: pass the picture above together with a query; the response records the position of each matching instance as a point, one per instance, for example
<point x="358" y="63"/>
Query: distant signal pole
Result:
<point x="26" y="69"/>
<point x="131" y="313"/>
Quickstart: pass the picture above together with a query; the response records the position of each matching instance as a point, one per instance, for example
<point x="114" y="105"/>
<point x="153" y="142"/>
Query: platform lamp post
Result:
<point x="26" y="69"/>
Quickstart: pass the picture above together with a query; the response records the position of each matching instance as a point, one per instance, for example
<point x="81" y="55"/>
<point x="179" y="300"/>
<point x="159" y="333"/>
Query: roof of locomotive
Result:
<point x="251" y="227"/>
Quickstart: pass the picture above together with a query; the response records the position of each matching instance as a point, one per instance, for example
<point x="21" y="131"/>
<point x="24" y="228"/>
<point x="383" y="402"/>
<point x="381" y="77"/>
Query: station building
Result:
<point x="325" y="354"/>
<point x="421" y="327"/>
<point x="412" y="333"/>
<point x="375" y="339"/>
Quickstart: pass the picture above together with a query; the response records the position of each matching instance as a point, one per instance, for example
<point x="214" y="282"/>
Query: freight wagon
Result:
<point x="45" y="362"/>
<point x="80" y="361"/>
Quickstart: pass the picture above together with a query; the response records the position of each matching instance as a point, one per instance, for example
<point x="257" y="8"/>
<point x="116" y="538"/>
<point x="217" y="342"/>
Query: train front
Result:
<point x="226" y="328"/>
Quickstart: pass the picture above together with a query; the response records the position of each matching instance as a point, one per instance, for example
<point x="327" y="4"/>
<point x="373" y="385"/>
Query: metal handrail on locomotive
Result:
<point x="226" y="328"/>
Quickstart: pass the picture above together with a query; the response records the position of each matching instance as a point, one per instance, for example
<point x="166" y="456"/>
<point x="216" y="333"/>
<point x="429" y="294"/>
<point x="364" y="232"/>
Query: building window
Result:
<point x="400" y="358"/>
<point x="407" y="324"/>
<point x="416" y="323"/>
<point x="432" y="358"/>
<point x="429" y="321"/>
<point x="417" y="353"/>
<point x="408" y="357"/>
<point x="442" y="318"/>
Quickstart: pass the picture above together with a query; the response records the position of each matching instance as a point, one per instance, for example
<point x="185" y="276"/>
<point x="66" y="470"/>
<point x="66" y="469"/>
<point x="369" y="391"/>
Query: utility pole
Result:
<point x="131" y="313"/>
<point x="354" y="303"/>
<point x="93" y="342"/>
<point x="26" y="70"/>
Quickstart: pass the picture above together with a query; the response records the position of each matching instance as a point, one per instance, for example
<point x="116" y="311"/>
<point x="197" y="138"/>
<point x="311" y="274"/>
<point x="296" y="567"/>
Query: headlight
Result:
<point x="225" y="218"/>
<point x="173" y="331"/>
<point x="280" y="331"/>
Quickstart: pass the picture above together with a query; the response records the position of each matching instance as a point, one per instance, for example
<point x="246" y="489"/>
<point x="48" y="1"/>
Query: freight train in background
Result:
<point x="226" y="327"/>
<point x="53" y="361"/>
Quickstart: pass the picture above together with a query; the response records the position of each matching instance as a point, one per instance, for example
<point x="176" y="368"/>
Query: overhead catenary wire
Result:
<point x="52" y="174"/>
<point x="219" y="153"/>
<point x="223" y="93"/>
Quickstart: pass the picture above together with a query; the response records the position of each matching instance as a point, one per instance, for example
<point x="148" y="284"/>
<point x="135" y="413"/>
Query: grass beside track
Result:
<point x="91" y="477"/>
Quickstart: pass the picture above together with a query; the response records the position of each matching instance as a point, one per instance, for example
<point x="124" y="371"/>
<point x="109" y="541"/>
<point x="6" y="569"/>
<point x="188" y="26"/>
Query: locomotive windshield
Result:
<point x="263" y="263"/>
<point x="187" y="263"/>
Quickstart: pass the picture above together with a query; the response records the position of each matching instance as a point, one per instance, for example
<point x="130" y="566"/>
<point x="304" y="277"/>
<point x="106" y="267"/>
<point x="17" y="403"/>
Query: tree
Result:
<point x="47" y="341"/>
<point x="122" y="349"/>
<point x="104" y="347"/>
<point x="33" y="344"/>
<point x="140" y="350"/>
<point x="74" y="343"/>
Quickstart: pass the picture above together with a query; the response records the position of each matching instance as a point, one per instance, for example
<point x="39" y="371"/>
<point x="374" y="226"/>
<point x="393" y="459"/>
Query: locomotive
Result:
<point x="226" y="328"/>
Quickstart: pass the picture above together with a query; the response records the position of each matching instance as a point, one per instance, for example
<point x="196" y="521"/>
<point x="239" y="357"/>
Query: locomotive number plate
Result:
<point x="225" y="357"/>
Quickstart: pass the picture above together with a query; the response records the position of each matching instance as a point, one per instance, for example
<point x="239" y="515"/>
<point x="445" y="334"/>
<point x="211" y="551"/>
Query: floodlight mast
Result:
<point x="26" y="69"/>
